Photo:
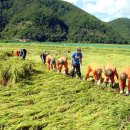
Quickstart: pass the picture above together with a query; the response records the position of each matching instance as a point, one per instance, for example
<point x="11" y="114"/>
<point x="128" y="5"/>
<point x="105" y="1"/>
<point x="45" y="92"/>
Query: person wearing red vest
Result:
<point x="16" y="53"/>
<point x="110" y="72"/>
<point x="96" y="72"/>
<point x="50" y="62"/>
<point x="123" y="76"/>
<point x="62" y="62"/>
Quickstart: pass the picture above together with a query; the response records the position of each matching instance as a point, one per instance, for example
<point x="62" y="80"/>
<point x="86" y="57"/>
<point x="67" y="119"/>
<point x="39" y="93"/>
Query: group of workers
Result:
<point x="109" y="70"/>
<point x="51" y="62"/>
<point x="20" y="53"/>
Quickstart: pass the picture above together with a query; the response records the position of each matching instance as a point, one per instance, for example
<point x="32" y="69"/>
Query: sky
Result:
<point x="105" y="10"/>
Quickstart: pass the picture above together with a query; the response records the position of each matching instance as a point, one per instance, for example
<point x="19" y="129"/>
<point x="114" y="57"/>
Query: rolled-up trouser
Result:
<point x="77" y="67"/>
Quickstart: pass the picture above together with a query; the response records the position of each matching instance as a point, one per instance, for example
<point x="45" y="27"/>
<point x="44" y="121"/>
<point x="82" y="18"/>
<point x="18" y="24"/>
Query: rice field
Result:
<point x="42" y="99"/>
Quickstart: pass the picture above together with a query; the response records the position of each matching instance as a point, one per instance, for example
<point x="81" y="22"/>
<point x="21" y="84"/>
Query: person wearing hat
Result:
<point x="96" y="71"/>
<point x="50" y="62"/>
<point x="76" y="62"/>
<point x="123" y="76"/>
<point x="62" y="61"/>
<point x="110" y="72"/>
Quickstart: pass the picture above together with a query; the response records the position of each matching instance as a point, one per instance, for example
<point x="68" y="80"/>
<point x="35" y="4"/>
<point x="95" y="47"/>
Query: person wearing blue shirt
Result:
<point x="23" y="53"/>
<point x="76" y="62"/>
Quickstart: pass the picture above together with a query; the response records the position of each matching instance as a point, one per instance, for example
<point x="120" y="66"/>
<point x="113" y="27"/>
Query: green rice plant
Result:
<point x="4" y="55"/>
<point x="15" y="71"/>
<point x="22" y="71"/>
<point x="43" y="99"/>
<point x="5" y="74"/>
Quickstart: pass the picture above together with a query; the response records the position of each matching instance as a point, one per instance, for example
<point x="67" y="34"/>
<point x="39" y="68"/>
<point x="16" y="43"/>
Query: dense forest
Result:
<point x="122" y="26"/>
<point x="52" y="20"/>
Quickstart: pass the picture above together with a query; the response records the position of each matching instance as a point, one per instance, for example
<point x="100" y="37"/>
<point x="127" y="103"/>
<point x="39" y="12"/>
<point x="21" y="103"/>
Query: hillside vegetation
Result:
<point x="52" y="20"/>
<point x="46" y="100"/>
<point x="122" y="26"/>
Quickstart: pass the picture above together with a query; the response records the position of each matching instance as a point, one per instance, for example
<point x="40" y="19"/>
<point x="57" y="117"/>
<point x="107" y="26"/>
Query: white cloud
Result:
<point x="111" y="8"/>
<point x="104" y="9"/>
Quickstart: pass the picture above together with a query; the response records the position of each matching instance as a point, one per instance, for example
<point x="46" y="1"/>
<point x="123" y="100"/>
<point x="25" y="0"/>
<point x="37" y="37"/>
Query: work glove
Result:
<point x="98" y="82"/>
<point x="121" y="92"/>
<point x="127" y="92"/>
<point x="58" y="71"/>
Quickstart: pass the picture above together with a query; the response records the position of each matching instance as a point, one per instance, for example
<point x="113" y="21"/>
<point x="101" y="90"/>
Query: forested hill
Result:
<point x="122" y="26"/>
<point x="52" y="20"/>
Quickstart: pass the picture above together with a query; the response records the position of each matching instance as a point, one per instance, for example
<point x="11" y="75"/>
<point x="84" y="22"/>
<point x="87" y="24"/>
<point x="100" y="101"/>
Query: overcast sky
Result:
<point x="106" y="10"/>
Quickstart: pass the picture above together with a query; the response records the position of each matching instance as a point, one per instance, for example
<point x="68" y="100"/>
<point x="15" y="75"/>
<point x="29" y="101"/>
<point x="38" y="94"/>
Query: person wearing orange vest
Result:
<point x="110" y="72"/>
<point x="96" y="71"/>
<point x="16" y="53"/>
<point x="123" y="76"/>
<point x="50" y="62"/>
<point x="62" y="62"/>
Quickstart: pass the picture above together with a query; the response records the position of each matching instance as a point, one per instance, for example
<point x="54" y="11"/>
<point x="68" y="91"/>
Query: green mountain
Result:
<point x="52" y="20"/>
<point x="122" y="26"/>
